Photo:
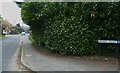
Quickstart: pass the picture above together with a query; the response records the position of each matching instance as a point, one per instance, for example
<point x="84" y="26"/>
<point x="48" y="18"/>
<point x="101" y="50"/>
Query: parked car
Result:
<point x="23" y="33"/>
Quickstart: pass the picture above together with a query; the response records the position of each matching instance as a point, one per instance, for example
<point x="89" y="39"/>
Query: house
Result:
<point x="5" y="26"/>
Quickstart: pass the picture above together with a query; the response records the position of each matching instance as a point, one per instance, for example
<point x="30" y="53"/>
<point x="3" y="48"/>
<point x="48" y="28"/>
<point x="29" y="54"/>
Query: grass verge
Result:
<point x="1" y="35"/>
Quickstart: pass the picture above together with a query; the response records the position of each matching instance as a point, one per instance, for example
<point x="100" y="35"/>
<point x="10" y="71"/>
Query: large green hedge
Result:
<point x="72" y="28"/>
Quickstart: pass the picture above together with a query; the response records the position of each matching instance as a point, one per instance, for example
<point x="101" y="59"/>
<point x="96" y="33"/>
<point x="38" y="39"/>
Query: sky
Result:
<point x="10" y="11"/>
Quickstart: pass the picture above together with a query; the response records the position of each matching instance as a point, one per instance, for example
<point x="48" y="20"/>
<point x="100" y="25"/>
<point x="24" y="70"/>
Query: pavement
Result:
<point x="38" y="61"/>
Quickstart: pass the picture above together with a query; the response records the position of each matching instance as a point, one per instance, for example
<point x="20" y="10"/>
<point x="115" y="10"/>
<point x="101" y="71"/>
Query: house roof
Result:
<point x="6" y="23"/>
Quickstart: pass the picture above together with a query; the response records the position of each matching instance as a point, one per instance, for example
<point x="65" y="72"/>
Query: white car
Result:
<point x="23" y="33"/>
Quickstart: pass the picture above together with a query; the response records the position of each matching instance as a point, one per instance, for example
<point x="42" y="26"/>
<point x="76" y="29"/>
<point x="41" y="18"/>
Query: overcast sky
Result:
<point x="10" y="11"/>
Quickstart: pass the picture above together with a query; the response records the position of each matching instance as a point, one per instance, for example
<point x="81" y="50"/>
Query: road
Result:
<point x="0" y="55"/>
<point x="9" y="50"/>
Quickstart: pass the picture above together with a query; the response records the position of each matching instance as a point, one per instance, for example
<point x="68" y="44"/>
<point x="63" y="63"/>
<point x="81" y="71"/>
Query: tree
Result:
<point x="1" y="24"/>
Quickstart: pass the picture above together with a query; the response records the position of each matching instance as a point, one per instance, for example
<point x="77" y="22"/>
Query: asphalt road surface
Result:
<point x="9" y="50"/>
<point x="0" y="55"/>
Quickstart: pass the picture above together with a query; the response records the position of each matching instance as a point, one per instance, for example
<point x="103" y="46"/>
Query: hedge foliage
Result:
<point x="72" y="28"/>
